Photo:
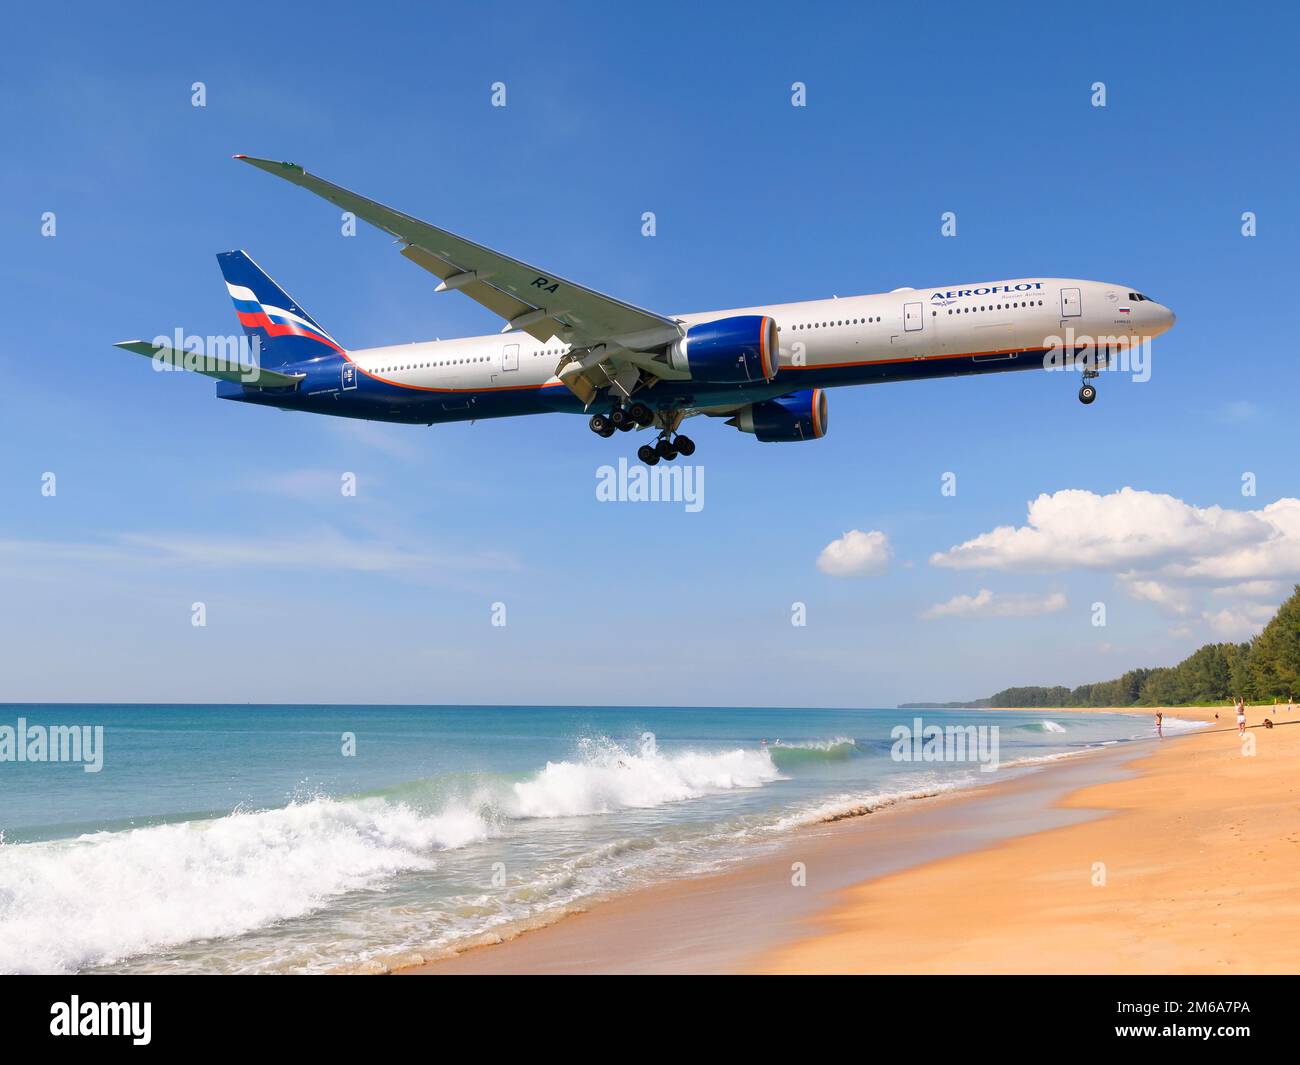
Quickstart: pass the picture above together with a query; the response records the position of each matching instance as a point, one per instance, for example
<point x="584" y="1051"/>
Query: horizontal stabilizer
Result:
<point x="218" y="366"/>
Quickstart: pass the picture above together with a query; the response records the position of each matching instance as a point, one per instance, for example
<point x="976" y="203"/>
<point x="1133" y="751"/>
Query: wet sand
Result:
<point x="743" y="919"/>
<point x="1195" y="868"/>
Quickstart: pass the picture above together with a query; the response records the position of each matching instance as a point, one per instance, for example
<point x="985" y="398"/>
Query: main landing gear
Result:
<point x="623" y="417"/>
<point x="667" y="448"/>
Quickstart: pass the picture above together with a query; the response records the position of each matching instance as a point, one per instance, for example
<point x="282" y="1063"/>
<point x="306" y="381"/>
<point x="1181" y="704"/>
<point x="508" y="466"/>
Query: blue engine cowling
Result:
<point x="730" y="351"/>
<point x="798" y="416"/>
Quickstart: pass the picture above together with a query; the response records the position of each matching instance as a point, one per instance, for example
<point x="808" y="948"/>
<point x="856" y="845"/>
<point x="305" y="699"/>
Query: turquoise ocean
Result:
<point x="264" y="839"/>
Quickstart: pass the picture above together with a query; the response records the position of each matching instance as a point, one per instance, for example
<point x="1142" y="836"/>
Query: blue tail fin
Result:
<point x="282" y="330"/>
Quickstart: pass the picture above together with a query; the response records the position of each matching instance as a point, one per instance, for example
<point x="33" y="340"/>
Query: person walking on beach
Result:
<point x="1241" y="716"/>
<point x="1160" y="721"/>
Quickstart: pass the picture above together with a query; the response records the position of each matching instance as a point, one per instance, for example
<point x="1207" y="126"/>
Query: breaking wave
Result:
<point x="102" y="897"/>
<point x="795" y="753"/>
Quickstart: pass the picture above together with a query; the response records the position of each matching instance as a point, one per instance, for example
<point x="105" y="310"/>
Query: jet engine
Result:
<point x="798" y="416"/>
<point x="731" y="351"/>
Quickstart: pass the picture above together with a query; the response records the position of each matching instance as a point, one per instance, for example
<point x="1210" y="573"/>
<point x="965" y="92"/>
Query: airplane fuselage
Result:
<point x="907" y="334"/>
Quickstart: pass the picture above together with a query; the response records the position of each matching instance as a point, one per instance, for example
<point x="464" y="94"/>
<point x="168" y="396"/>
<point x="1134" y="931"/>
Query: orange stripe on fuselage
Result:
<point x="923" y="358"/>
<point x="817" y="366"/>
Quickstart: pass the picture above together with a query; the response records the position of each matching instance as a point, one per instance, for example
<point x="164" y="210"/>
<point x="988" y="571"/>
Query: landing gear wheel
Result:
<point x="647" y="454"/>
<point x="684" y="445"/>
<point x="641" y="414"/>
<point x="618" y="418"/>
<point x="1087" y="394"/>
<point x="601" y="425"/>
<point x="627" y="426"/>
<point x="666" y="450"/>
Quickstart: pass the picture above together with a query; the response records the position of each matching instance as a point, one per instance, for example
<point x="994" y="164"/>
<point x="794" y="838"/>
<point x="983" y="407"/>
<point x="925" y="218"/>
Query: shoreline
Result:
<point x="1191" y="869"/>
<point x="740" y="919"/>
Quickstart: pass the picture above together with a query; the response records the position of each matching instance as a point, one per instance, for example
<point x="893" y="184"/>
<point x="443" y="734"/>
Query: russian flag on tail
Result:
<point x="284" y="332"/>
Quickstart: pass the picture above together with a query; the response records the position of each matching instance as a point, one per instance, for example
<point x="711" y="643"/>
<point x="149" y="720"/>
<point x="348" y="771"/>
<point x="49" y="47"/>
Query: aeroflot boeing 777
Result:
<point x="566" y="348"/>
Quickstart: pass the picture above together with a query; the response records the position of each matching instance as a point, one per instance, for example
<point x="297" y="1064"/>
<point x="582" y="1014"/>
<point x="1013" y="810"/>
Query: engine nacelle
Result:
<point x="798" y="416"/>
<point x="730" y="351"/>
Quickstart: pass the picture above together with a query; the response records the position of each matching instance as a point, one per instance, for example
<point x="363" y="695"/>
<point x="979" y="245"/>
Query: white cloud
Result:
<point x="1224" y="570"/>
<point x="1139" y="531"/>
<point x="856" y="554"/>
<point x="1239" y="410"/>
<point x="1272" y="590"/>
<point x="1241" y="617"/>
<point x="304" y="486"/>
<point x="986" y="604"/>
<point x="1167" y="597"/>
<point x="323" y="549"/>
<point x="397" y="441"/>
<point x="1240" y="622"/>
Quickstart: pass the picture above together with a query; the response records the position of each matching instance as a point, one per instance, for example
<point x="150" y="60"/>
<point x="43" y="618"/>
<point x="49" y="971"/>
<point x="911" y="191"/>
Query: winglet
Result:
<point x="270" y="165"/>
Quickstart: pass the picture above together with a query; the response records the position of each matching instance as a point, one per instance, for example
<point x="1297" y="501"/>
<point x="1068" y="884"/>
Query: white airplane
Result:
<point x="566" y="348"/>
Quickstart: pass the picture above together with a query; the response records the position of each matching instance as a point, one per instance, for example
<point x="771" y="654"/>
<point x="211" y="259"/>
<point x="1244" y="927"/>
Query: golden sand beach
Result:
<point x="1193" y="868"/>
<point x="1181" y="856"/>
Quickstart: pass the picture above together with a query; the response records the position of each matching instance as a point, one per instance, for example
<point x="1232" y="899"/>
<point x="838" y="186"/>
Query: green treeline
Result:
<point x="1266" y="667"/>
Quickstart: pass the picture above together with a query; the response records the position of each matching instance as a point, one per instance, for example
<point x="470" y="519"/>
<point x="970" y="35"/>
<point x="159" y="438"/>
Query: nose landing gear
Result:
<point x="1088" y="392"/>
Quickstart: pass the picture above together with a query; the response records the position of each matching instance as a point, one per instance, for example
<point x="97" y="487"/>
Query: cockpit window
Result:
<point x="1137" y="297"/>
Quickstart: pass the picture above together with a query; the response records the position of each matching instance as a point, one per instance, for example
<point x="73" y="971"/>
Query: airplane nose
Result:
<point x="1158" y="318"/>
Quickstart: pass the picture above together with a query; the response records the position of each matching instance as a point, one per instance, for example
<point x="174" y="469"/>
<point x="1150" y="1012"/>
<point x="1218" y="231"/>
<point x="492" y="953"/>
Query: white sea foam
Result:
<point x="72" y="904"/>
<point x="1183" y="724"/>
<point x="609" y="778"/>
<point x="67" y="904"/>
<point x="844" y="806"/>
<point x="815" y="745"/>
<point x="1044" y="759"/>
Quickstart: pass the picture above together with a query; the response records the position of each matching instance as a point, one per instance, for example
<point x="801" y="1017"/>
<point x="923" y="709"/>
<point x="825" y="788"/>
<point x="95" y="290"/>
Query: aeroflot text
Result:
<point x="987" y="290"/>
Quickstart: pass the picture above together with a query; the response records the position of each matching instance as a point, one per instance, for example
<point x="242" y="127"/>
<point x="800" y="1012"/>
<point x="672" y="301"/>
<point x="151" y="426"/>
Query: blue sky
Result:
<point x="167" y="496"/>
